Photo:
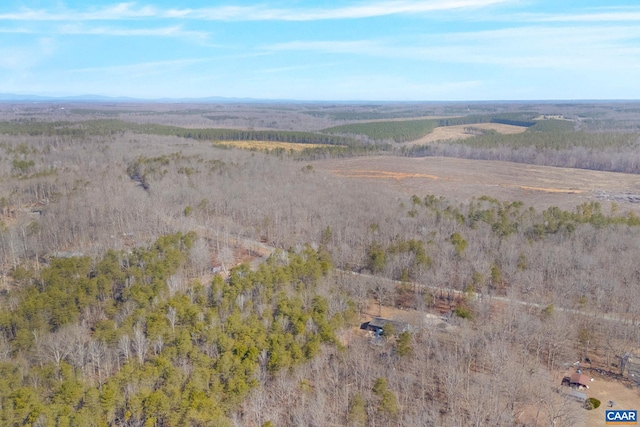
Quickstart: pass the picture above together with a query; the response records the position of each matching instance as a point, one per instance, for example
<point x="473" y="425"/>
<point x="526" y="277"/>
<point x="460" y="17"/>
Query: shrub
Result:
<point x="388" y="330"/>
<point x="592" y="403"/>
<point x="463" y="312"/>
<point x="403" y="345"/>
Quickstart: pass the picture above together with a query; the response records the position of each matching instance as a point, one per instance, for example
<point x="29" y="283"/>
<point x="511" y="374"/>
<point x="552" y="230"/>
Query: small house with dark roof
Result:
<point x="376" y="325"/>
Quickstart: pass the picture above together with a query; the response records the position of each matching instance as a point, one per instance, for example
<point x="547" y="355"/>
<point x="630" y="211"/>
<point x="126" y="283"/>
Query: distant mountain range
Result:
<point x="12" y="97"/>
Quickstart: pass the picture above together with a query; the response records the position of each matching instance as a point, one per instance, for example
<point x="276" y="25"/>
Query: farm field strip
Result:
<point x="381" y="174"/>
<point x="448" y="133"/>
<point x="398" y="176"/>
<point x="268" y="145"/>
<point x="551" y="190"/>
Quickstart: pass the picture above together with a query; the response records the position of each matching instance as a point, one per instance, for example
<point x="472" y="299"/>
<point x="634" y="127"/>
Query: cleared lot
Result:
<point x="448" y="133"/>
<point x="461" y="179"/>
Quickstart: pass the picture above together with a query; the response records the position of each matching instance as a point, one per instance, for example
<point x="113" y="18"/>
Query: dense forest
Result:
<point x="152" y="277"/>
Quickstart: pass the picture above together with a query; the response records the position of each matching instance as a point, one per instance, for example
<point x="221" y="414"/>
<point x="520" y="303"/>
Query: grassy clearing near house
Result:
<point x="267" y="145"/>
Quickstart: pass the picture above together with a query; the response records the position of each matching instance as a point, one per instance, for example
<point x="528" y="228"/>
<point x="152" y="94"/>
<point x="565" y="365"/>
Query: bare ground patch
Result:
<point x="462" y="179"/>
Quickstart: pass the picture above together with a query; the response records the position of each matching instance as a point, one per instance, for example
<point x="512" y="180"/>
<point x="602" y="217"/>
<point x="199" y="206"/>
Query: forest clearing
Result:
<point x="444" y="133"/>
<point x="540" y="186"/>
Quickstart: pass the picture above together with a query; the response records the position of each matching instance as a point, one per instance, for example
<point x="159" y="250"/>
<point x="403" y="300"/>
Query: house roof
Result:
<point x="379" y="322"/>
<point x="581" y="379"/>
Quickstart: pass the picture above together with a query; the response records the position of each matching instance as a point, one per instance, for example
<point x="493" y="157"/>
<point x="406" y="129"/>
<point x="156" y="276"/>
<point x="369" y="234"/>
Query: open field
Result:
<point x="539" y="186"/>
<point x="448" y="133"/>
<point x="267" y="145"/>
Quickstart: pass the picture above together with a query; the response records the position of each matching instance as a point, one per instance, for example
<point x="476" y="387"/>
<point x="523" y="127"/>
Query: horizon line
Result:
<point x="92" y="98"/>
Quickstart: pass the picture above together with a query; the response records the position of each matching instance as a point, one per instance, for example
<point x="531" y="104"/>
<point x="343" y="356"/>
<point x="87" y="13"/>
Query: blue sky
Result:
<point x="403" y="50"/>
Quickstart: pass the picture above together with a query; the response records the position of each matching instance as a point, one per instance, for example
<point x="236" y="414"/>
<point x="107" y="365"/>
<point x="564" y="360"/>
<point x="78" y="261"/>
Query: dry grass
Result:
<point x="606" y="389"/>
<point x="461" y="179"/>
<point x="381" y="174"/>
<point x="267" y="145"/>
<point x="448" y="133"/>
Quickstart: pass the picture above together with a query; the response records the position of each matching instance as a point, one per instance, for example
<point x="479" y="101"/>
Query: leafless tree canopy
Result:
<point x="500" y="294"/>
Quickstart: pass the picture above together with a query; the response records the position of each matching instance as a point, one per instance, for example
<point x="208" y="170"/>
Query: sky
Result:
<point x="404" y="50"/>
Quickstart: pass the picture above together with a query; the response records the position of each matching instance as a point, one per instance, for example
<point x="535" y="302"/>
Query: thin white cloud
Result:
<point x="593" y="17"/>
<point x="173" y="31"/>
<point x="565" y="35"/>
<point x="142" y="68"/>
<point x="299" y="67"/>
<point x="22" y="58"/>
<point x="586" y="16"/>
<point x="252" y="13"/>
<point x="571" y="47"/>
<point x="15" y="31"/>
<point x="364" y="10"/>
<point x="114" y="12"/>
<point x="392" y="86"/>
<point x="372" y="47"/>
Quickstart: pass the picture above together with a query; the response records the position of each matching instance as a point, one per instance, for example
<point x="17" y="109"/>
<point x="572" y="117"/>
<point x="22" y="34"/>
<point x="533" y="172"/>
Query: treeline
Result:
<point x="612" y="152"/>
<point x="407" y="260"/>
<point x="127" y="340"/>
<point x="508" y="217"/>
<point x="553" y="135"/>
<point x="111" y="127"/>
<point x="262" y="135"/>
<point x="327" y="151"/>
<point x="410" y="130"/>
<point x="397" y="131"/>
<point x="552" y="125"/>
<point x="368" y="115"/>
<point x="524" y="119"/>
<point x="40" y="128"/>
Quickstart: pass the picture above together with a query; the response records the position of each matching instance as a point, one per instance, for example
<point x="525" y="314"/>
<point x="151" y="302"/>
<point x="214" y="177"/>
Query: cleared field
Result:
<point x="406" y="119"/>
<point x="268" y="145"/>
<point x="605" y="389"/>
<point x="461" y="179"/>
<point x="448" y="133"/>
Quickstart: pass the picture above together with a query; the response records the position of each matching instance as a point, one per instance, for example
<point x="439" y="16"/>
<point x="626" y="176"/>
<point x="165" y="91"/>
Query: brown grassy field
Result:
<point x="461" y="179"/>
<point x="606" y="389"/>
<point x="448" y="133"/>
<point x="267" y="145"/>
